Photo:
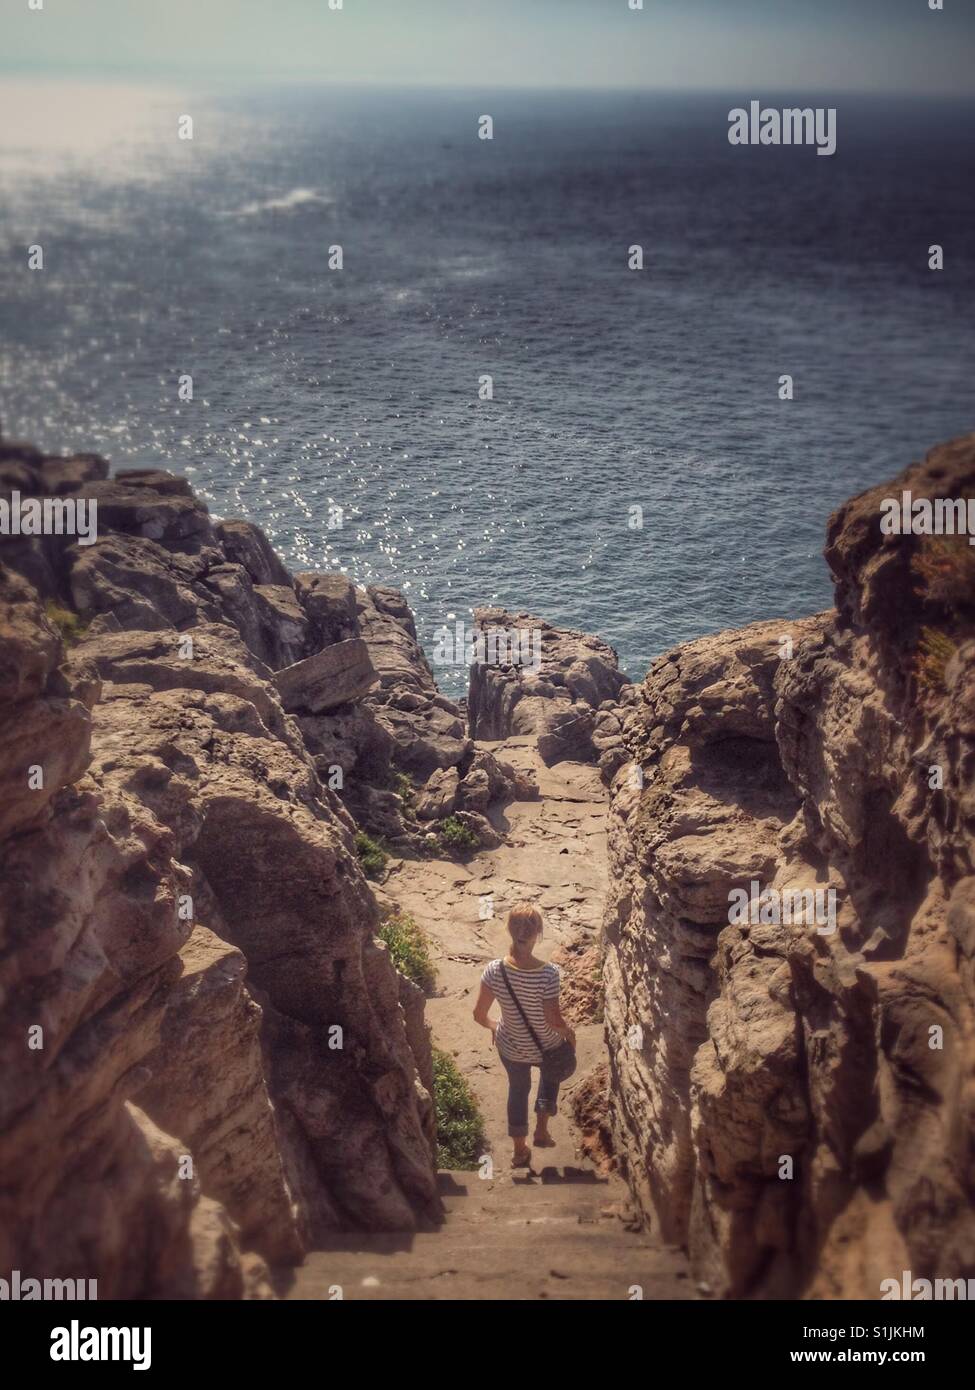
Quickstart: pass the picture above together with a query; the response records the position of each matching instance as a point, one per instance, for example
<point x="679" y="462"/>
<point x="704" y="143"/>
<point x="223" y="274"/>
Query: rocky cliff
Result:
<point x="794" y="1100"/>
<point x="207" y="1057"/>
<point x="207" y="1060"/>
<point x="563" y="687"/>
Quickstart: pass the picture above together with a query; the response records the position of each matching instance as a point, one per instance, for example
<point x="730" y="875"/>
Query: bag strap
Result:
<point x="524" y="1016"/>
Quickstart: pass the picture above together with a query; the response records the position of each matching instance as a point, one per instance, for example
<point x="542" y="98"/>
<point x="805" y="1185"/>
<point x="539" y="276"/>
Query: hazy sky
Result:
<point x="760" y="45"/>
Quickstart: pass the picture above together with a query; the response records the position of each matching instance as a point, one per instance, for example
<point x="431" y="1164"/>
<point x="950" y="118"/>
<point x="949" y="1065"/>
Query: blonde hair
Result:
<point x="524" y="923"/>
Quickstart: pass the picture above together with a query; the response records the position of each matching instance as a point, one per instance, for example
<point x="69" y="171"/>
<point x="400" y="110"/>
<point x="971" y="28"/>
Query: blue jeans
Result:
<point x="519" y="1085"/>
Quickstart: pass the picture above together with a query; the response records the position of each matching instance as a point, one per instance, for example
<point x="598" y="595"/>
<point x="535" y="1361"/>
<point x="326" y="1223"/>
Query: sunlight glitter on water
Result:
<point x="102" y="130"/>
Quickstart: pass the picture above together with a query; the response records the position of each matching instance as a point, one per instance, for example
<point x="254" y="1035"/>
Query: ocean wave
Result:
<point x="298" y="197"/>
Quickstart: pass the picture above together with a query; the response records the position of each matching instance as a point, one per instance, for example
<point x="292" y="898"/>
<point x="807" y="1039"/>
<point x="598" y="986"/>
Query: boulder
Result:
<point x="334" y="676"/>
<point x="246" y="544"/>
<point x="329" y="603"/>
<point x="567" y="733"/>
<point x="480" y="827"/>
<point x="438" y="795"/>
<point x="485" y="782"/>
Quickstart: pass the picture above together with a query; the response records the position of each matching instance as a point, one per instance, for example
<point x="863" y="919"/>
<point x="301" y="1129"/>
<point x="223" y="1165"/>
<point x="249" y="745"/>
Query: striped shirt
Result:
<point x="531" y="986"/>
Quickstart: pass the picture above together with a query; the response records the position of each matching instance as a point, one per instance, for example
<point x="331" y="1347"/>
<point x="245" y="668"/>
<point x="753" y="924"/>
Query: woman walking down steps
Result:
<point x="556" y="1230"/>
<point x="529" y="1031"/>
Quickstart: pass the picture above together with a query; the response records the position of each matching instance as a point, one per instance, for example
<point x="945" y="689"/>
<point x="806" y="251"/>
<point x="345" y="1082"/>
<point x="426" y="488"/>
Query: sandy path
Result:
<point x="554" y="855"/>
<point x="555" y="1231"/>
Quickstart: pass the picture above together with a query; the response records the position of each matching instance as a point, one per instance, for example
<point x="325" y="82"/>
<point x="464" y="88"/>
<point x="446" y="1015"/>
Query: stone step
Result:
<point x="557" y="1261"/>
<point x="552" y="1234"/>
<point x="537" y="1187"/>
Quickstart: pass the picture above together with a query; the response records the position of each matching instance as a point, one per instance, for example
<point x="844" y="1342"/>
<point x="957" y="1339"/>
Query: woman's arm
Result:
<point x="481" y="1009"/>
<point x="555" y="1019"/>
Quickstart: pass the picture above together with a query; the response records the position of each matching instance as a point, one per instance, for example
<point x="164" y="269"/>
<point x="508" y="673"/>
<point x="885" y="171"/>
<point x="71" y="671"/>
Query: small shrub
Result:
<point x="455" y="835"/>
<point x="460" y="1128"/>
<point x="946" y="567"/>
<point x="409" y="949"/>
<point x="403" y="784"/>
<point x="371" y="854"/>
<point x="68" y="624"/>
<point x="934" y="651"/>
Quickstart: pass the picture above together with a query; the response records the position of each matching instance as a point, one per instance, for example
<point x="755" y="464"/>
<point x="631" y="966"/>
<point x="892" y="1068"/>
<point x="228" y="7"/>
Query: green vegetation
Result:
<point x="68" y="624"/>
<point x="403" y="784"/>
<point x="460" y="1128"/>
<point x="934" y="651"/>
<point x="946" y="567"/>
<point x="409" y="949"/>
<point x="371" y="854"/>
<point x="392" y="781"/>
<point x="455" y="835"/>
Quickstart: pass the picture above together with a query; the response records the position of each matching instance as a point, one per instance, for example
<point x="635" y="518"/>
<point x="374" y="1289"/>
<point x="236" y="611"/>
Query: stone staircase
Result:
<point x="549" y="1234"/>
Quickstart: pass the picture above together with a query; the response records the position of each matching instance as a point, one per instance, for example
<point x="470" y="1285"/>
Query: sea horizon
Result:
<point x="359" y="389"/>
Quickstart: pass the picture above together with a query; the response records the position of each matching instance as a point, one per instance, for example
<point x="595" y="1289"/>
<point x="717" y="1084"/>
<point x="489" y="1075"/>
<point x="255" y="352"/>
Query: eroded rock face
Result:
<point x="400" y="746"/>
<point x="89" y="944"/>
<point x="46" y="725"/>
<point x="796" y="1101"/>
<point x="427" y="729"/>
<point x="206" y="1057"/>
<point x="563" y="686"/>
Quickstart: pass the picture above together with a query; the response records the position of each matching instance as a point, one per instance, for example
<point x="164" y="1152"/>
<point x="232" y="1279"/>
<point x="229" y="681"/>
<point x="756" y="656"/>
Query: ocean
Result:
<point x="636" y="473"/>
